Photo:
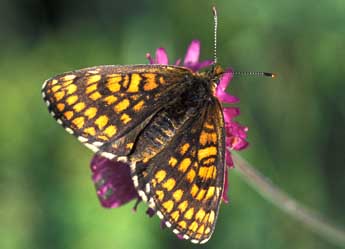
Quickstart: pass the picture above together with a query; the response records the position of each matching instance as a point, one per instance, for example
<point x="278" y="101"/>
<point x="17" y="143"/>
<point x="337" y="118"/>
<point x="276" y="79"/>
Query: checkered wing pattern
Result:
<point x="183" y="181"/>
<point x="106" y="107"/>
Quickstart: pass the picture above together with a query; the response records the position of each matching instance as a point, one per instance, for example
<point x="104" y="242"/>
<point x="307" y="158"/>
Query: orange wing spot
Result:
<point x="91" y="131"/>
<point x="189" y="214"/>
<point x="56" y="88"/>
<point x="175" y="215"/>
<point x="53" y="82"/>
<point x="91" y="88"/>
<point x="172" y="161"/>
<point x="91" y="112"/>
<point x="168" y="205"/>
<point x="161" y="80"/>
<point x="113" y="83"/>
<point x="210" y="192"/>
<point x="160" y="175"/>
<point x="190" y="175"/>
<point x="60" y="106"/>
<point x="200" y="214"/>
<point x="178" y="194"/>
<point x="110" y="99"/>
<point x="207" y="152"/>
<point x="209" y="126"/>
<point x="105" y="138"/>
<point x="160" y="195"/>
<point x="68" y="77"/>
<point x="201" y="229"/>
<point x="184" y="165"/>
<point x="212" y="216"/>
<point x="150" y="82"/>
<point x="139" y="106"/>
<point x="68" y="115"/>
<point x="209" y="161"/>
<point x="184" y="148"/>
<point x="207" y="230"/>
<point x="79" y="107"/>
<point x="193" y="227"/>
<point x="206" y="137"/>
<point x="110" y="131"/>
<point x="201" y="194"/>
<point x="182" y="206"/>
<point x="134" y="83"/>
<point x="102" y="121"/>
<point x="129" y="146"/>
<point x="95" y="96"/>
<point x="153" y="181"/>
<point x="196" y="165"/>
<point x="59" y="95"/>
<point x="79" y="122"/>
<point x="169" y="184"/>
<point x="93" y="78"/>
<point x="121" y="106"/>
<point x="125" y="118"/>
<point x="125" y="81"/>
<point x="66" y="83"/>
<point x="71" y="89"/>
<point x="183" y="224"/>
<point x="209" y="172"/>
<point x="194" y="190"/>
<point x="72" y="99"/>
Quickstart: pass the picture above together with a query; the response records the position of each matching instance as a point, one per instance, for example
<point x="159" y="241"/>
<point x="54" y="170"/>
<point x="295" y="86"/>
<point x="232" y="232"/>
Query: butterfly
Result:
<point x="165" y="122"/>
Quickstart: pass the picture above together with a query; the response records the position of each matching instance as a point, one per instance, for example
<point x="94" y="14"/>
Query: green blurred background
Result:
<point x="296" y="121"/>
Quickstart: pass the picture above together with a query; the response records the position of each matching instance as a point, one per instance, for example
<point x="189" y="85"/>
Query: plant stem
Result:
<point x="278" y="197"/>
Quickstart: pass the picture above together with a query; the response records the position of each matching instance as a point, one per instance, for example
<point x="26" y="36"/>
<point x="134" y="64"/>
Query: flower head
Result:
<point x="191" y="60"/>
<point x="112" y="179"/>
<point x="113" y="182"/>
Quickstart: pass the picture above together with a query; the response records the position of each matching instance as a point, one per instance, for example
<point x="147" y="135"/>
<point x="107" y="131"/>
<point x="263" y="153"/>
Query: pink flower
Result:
<point x="112" y="179"/>
<point x="191" y="60"/>
<point x="113" y="183"/>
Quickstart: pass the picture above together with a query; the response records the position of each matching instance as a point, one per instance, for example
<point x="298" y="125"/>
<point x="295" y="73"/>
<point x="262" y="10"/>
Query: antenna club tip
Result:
<point x="272" y="75"/>
<point x="214" y="9"/>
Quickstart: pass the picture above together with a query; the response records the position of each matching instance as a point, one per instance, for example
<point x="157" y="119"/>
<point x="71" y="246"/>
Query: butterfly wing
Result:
<point x="106" y="107"/>
<point x="183" y="182"/>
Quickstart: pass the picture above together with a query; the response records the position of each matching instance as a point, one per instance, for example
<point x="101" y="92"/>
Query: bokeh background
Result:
<point x="296" y="121"/>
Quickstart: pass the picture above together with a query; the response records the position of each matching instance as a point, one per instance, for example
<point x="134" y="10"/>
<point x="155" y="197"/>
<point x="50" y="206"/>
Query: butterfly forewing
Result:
<point x="107" y="106"/>
<point x="183" y="182"/>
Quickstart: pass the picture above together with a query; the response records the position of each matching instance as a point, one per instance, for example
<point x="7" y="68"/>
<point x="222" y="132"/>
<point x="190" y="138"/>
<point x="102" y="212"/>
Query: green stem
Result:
<point x="311" y="219"/>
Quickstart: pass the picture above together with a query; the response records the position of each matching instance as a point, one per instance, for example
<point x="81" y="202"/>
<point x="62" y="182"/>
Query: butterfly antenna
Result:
<point x="265" y="74"/>
<point x="215" y="17"/>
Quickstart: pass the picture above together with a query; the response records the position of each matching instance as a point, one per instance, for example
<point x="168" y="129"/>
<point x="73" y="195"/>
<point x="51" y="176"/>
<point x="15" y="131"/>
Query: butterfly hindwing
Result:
<point x="106" y="107"/>
<point x="183" y="182"/>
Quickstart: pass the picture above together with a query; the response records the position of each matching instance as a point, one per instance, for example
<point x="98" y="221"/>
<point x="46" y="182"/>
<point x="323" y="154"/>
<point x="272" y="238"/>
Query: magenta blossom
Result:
<point x="112" y="179"/>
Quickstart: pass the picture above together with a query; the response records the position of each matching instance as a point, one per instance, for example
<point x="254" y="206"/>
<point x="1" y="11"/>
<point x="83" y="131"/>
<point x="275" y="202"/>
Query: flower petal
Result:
<point x="161" y="56"/>
<point x="230" y="113"/>
<point x="113" y="182"/>
<point x="200" y="65"/>
<point x="193" y="53"/>
<point x="228" y="159"/>
<point x="221" y="93"/>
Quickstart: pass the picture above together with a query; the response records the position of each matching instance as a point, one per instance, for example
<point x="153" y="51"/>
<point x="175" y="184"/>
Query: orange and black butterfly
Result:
<point x="165" y="122"/>
<point x="162" y="120"/>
